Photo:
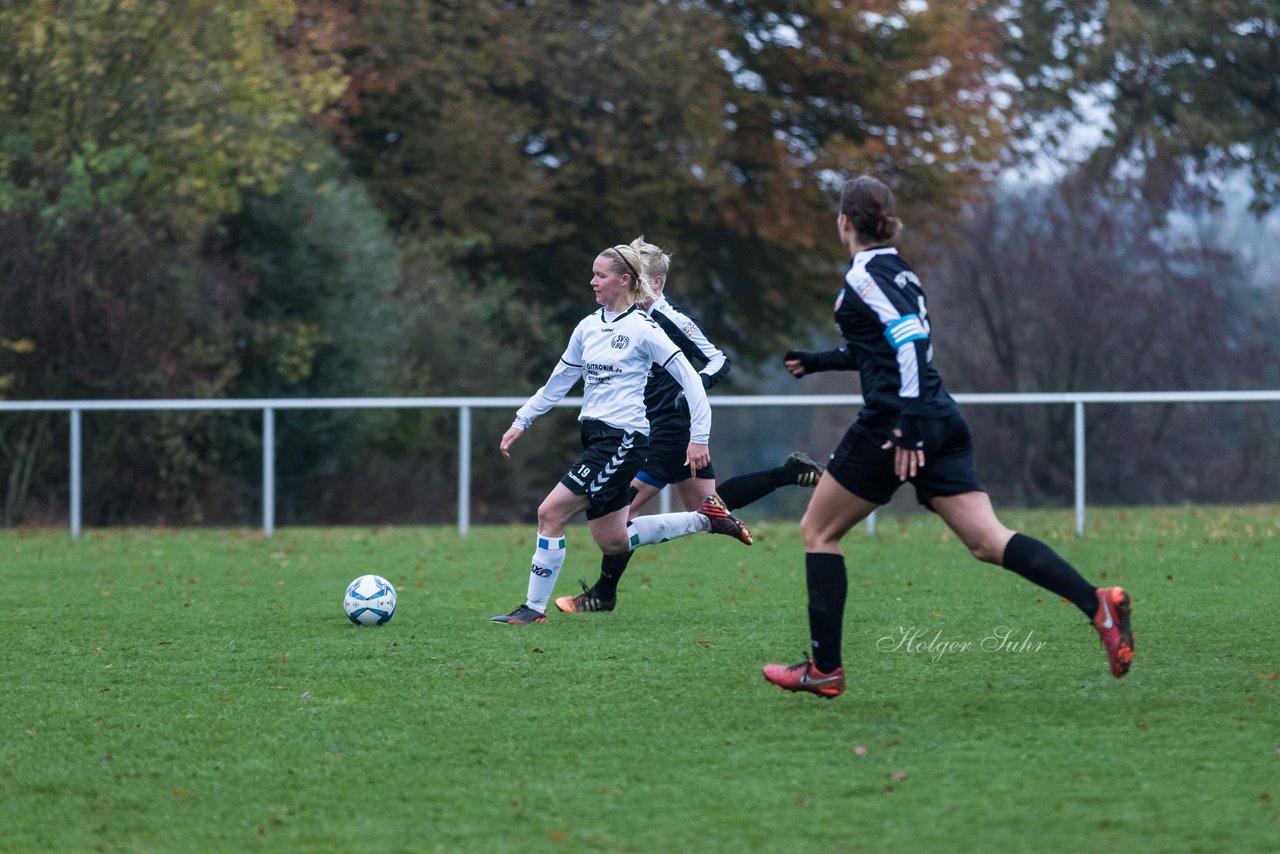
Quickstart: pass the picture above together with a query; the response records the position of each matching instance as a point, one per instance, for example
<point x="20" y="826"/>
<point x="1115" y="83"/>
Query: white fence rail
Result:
<point x="465" y="405"/>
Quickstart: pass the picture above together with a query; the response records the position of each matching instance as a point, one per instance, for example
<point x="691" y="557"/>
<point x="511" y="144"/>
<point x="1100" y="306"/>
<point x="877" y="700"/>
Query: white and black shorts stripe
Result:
<point x="609" y="461"/>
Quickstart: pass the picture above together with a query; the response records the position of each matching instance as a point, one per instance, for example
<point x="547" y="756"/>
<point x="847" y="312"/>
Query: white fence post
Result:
<point x="268" y="471"/>
<point x="1079" y="476"/>
<point x="76" y="468"/>
<point x="464" y="470"/>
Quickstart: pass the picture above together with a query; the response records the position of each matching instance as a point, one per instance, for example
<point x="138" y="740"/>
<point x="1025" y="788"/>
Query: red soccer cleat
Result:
<point x="806" y="676"/>
<point x="1112" y="623"/>
<point x="722" y="521"/>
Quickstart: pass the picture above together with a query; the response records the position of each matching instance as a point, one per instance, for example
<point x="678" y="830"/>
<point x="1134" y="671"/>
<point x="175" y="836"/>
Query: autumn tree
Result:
<point x="1061" y="288"/>
<point x="128" y="132"/>
<point x="1184" y="92"/>
<point x="534" y="134"/>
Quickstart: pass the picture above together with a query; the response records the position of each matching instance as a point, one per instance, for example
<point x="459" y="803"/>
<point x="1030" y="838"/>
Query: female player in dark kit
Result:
<point x="909" y="430"/>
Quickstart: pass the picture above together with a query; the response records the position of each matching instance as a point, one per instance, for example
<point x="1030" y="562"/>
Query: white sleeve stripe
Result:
<point x="909" y="370"/>
<point x="904" y="330"/>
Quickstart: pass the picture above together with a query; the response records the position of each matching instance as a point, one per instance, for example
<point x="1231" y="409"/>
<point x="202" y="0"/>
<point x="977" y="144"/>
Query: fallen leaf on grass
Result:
<point x="535" y="649"/>
<point x="898" y="775"/>
<point x="181" y="793"/>
<point x="1269" y="675"/>
<point x="859" y="750"/>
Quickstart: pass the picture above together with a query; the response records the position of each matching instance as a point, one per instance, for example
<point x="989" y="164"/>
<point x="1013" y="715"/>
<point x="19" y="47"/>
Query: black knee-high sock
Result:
<point x="828" y="586"/>
<point x="1039" y="564"/>
<point x="611" y="569"/>
<point x="748" y="488"/>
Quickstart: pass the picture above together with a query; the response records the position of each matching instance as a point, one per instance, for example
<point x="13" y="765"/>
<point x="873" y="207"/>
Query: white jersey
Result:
<point x="613" y="356"/>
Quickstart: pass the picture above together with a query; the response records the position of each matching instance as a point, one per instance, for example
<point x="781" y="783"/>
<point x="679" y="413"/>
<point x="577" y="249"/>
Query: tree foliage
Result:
<point x="327" y="197"/>
<point x="1182" y="89"/>
<point x="1061" y="289"/>
<point x="541" y="133"/>
<point x="147" y="107"/>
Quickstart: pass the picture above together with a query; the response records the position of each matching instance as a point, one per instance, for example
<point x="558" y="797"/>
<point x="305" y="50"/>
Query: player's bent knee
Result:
<point x="816" y="536"/>
<point x="612" y="544"/>
<point x="551" y="518"/>
<point x="988" y="549"/>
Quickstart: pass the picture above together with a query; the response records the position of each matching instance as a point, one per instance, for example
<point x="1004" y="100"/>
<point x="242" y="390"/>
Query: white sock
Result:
<point x="658" y="528"/>
<point x="548" y="557"/>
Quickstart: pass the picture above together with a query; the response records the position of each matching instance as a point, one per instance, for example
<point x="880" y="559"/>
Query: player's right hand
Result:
<point x="509" y="439"/>
<point x="797" y="362"/>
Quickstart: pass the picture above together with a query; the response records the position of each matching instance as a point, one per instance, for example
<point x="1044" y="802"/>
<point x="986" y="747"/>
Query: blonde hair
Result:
<point x="626" y="261"/>
<point x="654" y="262"/>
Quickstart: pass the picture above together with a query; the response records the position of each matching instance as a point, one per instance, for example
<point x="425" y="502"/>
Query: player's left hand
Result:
<point x="908" y="457"/>
<point x="697" y="457"/>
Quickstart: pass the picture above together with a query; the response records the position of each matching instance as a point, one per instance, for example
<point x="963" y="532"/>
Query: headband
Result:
<point x="619" y="249"/>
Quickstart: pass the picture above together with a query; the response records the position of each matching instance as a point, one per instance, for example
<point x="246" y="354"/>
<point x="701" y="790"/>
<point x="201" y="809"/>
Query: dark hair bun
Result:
<point x="870" y="207"/>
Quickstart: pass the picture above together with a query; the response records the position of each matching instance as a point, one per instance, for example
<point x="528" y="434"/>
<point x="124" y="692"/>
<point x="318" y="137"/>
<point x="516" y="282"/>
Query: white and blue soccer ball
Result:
<point x="370" y="600"/>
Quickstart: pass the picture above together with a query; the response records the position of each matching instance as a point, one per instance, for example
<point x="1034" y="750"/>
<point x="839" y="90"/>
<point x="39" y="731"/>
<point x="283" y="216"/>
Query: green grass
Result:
<point x="202" y="691"/>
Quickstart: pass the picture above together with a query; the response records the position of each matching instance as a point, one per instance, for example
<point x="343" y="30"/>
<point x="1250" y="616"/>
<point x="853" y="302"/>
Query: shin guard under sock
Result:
<point x="1041" y="565"/>
<point x="747" y="488"/>
<point x="828" y="586"/>
<point x="611" y="569"/>
<point x="548" y="557"/>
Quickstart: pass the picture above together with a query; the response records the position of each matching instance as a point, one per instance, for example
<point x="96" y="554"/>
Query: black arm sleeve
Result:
<point x="814" y="362"/>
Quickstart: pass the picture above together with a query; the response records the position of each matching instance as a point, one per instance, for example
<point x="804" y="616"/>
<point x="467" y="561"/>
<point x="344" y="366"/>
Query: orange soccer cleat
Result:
<point x="1112" y="623"/>
<point x="806" y="676"/>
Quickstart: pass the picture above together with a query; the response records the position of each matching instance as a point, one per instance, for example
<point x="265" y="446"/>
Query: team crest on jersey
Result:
<point x="619" y="342"/>
<point x="690" y="329"/>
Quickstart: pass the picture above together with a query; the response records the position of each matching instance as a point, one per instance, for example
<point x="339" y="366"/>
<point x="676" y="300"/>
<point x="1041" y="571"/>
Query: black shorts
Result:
<point x="610" y="459"/>
<point x="668" y="447"/>
<point x="861" y="466"/>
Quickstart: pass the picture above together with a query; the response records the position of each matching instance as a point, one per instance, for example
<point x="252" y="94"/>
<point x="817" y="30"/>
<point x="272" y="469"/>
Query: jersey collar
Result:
<point x="603" y="319"/>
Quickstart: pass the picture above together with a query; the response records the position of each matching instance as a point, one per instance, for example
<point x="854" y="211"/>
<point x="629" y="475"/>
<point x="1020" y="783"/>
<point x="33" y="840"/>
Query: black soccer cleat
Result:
<point x="520" y="616"/>
<point x="801" y="470"/>
<point x="587" y="600"/>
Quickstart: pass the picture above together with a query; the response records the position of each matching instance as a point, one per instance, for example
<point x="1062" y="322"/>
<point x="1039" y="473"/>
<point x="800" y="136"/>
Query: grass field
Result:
<point x="202" y="691"/>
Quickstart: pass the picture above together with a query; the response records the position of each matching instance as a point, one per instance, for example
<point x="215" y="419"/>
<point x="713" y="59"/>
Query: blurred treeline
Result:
<point x="264" y="198"/>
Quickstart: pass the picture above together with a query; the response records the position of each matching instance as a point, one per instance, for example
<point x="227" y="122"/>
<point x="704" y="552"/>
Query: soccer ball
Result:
<point x="370" y="600"/>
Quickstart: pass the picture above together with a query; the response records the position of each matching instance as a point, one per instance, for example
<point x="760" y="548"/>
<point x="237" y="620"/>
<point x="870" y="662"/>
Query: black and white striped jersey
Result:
<point x="614" y="356"/>
<point x="882" y="315"/>
<point x="663" y="396"/>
